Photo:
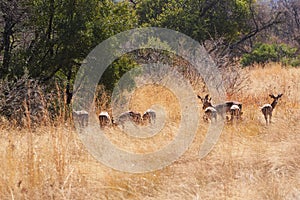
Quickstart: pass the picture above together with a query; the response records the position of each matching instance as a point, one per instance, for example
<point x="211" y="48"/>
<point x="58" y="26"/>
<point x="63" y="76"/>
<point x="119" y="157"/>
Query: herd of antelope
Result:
<point x="235" y="109"/>
<point x="211" y="112"/>
<point x="148" y="117"/>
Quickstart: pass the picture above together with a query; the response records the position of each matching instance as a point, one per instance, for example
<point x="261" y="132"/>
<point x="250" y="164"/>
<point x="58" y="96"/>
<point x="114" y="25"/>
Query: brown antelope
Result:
<point x="104" y="119"/>
<point x="149" y="116"/>
<point x="128" y="116"/>
<point x="267" y="109"/>
<point x="210" y="113"/>
<point x="235" y="112"/>
<point x="222" y="108"/>
<point x="82" y="117"/>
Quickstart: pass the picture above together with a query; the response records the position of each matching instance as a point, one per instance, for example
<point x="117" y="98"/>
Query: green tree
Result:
<point x="201" y="20"/>
<point x="60" y="34"/>
<point x="13" y="13"/>
<point x="116" y="70"/>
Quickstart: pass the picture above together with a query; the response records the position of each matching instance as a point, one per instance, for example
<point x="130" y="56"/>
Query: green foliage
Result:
<point x="199" y="19"/>
<point x="131" y="60"/>
<point x="116" y="70"/>
<point x="295" y="62"/>
<point x="62" y="33"/>
<point x="56" y="35"/>
<point x="263" y="53"/>
<point x="112" y="18"/>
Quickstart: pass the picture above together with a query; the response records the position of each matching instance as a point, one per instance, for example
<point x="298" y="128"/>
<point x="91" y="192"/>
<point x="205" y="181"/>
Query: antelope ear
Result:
<point x="206" y="96"/>
<point x="209" y="99"/>
<point x="280" y="95"/>
<point x="200" y="97"/>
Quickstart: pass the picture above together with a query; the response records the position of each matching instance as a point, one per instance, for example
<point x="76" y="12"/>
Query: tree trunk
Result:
<point x="69" y="94"/>
<point x="7" y="33"/>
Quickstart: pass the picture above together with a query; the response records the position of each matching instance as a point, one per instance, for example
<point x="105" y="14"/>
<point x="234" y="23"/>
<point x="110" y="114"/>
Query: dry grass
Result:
<point x="250" y="160"/>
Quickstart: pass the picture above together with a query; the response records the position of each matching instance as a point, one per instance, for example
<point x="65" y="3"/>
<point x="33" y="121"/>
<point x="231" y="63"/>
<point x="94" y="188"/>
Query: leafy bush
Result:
<point x="263" y="53"/>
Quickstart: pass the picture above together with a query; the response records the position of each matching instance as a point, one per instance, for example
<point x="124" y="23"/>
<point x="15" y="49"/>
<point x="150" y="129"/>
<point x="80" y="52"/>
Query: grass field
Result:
<point x="249" y="161"/>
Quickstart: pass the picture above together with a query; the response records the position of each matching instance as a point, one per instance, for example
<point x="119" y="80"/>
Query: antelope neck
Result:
<point x="274" y="103"/>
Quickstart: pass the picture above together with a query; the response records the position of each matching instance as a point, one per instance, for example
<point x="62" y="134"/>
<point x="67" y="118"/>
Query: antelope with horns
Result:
<point x="222" y="108"/>
<point x="267" y="109"/>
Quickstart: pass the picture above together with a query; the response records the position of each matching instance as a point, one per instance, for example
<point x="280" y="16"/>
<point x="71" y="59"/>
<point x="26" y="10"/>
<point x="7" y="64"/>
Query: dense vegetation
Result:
<point x="59" y="34"/>
<point x="262" y="53"/>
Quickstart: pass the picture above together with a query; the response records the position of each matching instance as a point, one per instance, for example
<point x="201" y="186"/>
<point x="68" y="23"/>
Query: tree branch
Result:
<point x="257" y="30"/>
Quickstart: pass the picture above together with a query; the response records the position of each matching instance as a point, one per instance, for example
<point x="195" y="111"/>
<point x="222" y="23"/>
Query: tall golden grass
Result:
<point x="250" y="160"/>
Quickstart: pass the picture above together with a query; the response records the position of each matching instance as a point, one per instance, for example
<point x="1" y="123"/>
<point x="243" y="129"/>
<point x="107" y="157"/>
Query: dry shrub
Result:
<point x="102" y="99"/>
<point x="26" y="101"/>
<point x="235" y="80"/>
